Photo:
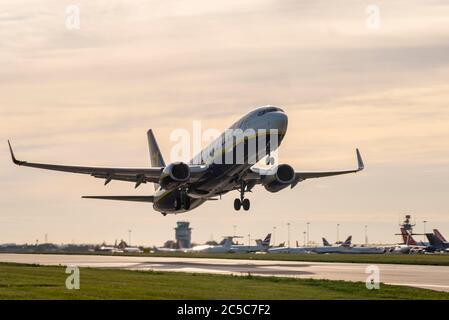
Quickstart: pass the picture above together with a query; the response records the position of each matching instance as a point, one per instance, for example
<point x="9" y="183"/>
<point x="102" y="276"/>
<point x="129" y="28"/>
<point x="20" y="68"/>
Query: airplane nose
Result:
<point x="279" y="121"/>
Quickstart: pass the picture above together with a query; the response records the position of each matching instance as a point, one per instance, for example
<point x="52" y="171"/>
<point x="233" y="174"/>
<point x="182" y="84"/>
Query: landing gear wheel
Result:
<point x="186" y="204"/>
<point x="245" y="204"/>
<point x="237" y="204"/>
<point x="177" y="204"/>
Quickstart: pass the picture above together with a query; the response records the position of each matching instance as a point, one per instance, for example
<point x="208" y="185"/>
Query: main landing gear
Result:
<point x="242" y="202"/>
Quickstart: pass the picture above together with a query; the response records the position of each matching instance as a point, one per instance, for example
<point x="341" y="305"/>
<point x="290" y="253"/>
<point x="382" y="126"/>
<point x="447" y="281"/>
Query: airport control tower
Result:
<point x="183" y="234"/>
<point x="407" y="225"/>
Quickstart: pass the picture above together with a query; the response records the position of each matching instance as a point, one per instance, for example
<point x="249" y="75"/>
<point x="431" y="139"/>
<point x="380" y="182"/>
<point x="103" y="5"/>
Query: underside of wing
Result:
<point x="263" y="176"/>
<point x="136" y="175"/>
<point x="123" y="198"/>
<point x="300" y="176"/>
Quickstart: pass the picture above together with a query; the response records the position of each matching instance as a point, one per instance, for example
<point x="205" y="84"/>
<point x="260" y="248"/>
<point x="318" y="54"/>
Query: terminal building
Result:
<point x="183" y="234"/>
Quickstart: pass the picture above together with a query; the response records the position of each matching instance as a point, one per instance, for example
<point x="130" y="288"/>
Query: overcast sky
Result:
<point x="88" y="96"/>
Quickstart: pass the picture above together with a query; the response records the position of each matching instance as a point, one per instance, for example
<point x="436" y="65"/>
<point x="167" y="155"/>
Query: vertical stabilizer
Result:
<point x="407" y="237"/>
<point x="326" y="243"/>
<point x="439" y="235"/>
<point x="266" y="241"/>
<point x="155" y="153"/>
<point x="227" y="243"/>
<point x="347" y="242"/>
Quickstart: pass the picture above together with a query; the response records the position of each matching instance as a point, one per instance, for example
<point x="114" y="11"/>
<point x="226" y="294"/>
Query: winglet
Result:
<point x="359" y="161"/>
<point x="13" y="157"/>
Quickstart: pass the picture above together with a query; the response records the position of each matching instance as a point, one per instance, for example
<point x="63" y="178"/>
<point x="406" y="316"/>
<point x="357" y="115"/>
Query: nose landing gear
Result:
<point x="242" y="202"/>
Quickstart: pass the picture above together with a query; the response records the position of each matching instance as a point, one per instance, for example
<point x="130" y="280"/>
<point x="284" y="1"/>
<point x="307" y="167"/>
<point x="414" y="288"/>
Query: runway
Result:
<point x="429" y="277"/>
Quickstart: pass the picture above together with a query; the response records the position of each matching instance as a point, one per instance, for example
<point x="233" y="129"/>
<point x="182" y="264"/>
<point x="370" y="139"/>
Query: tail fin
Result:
<point x="326" y="243"/>
<point x="407" y="237"/>
<point x="227" y="242"/>
<point x="347" y="242"/>
<point x="439" y="235"/>
<point x="155" y="154"/>
<point x="433" y="240"/>
<point x="267" y="240"/>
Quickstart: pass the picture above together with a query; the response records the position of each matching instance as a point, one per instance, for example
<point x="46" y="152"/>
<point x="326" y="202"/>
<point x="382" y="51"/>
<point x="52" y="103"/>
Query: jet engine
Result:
<point x="174" y="175"/>
<point x="283" y="177"/>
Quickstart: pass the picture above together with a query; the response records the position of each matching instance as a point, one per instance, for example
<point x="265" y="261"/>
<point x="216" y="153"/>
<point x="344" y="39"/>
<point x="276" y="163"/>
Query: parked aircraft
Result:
<point x="297" y="249"/>
<point x="338" y="248"/>
<point x="261" y="245"/>
<point x="221" y="248"/>
<point x="227" y="164"/>
<point x="347" y="247"/>
<point x="409" y="245"/>
<point x="206" y="248"/>
<point x="437" y="241"/>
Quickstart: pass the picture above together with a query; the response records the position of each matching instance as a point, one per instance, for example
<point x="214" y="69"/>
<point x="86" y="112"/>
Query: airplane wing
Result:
<point x="136" y="175"/>
<point x="123" y="198"/>
<point x="301" y="176"/>
<point x="256" y="174"/>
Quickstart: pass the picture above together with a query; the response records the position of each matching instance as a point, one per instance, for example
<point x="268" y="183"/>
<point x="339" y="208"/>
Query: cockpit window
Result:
<point x="270" y="109"/>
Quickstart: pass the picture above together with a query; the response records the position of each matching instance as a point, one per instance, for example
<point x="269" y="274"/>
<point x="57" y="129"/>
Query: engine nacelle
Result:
<point x="174" y="175"/>
<point x="284" y="176"/>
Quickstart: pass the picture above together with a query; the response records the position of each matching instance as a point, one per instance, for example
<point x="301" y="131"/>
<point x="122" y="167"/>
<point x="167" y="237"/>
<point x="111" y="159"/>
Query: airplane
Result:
<point x="347" y="247"/>
<point x="132" y="250"/>
<point x="337" y="248"/>
<point x="342" y="247"/>
<point x="437" y="241"/>
<point x="221" y="248"/>
<point x="296" y="249"/>
<point x="409" y="245"/>
<point x="120" y="248"/>
<point x="261" y="245"/>
<point x="110" y="249"/>
<point x="227" y="164"/>
<point x="439" y="235"/>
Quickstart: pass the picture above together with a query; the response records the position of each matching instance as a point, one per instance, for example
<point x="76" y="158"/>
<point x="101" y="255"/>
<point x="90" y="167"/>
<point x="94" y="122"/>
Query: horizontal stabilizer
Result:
<point x="123" y="198"/>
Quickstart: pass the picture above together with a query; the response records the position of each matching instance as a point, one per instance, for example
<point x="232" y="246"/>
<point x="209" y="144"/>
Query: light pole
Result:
<point x="308" y="223"/>
<point x="424" y="222"/>
<point x="338" y="232"/>
<point x="305" y="238"/>
<point x="274" y="236"/>
<point x="129" y="237"/>
<point x="366" y="234"/>
<point x="288" y="234"/>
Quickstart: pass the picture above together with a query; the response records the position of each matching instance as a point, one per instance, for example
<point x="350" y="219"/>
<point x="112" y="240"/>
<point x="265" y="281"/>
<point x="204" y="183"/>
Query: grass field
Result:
<point x="415" y="259"/>
<point x="44" y="282"/>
